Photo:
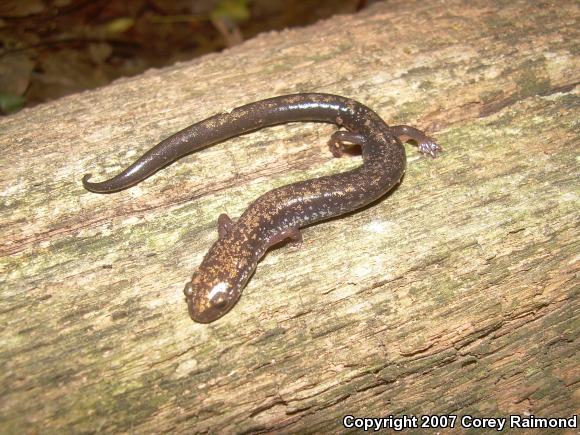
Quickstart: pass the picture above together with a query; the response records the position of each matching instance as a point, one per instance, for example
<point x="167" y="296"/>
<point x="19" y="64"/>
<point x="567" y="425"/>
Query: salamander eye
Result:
<point x="219" y="302"/>
<point x="188" y="290"/>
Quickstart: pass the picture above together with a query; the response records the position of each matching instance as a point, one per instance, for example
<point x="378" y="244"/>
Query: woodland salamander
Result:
<point x="280" y="213"/>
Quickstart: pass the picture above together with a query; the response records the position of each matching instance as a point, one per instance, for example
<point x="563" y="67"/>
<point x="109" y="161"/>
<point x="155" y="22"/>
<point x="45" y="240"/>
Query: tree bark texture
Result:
<point x="455" y="294"/>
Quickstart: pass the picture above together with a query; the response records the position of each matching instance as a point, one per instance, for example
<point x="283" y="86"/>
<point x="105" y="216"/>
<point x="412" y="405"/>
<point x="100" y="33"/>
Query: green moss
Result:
<point x="426" y="85"/>
<point x="409" y="110"/>
<point x="491" y="95"/>
<point x="418" y="72"/>
<point x="532" y="82"/>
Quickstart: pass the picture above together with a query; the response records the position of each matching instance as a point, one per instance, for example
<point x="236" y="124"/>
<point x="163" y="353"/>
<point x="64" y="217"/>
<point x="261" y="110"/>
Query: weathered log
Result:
<point x="456" y="294"/>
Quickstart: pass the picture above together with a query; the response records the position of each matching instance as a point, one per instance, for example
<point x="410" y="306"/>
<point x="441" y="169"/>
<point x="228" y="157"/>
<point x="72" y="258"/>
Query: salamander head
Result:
<point x="209" y="300"/>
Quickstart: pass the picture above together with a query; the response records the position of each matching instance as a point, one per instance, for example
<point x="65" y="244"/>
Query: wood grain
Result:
<point x="456" y="294"/>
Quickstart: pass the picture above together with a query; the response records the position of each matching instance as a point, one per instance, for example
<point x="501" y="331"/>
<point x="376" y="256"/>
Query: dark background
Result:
<point x="52" y="48"/>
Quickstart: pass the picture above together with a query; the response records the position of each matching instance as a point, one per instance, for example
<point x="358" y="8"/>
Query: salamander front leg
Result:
<point x="338" y="139"/>
<point x="225" y="224"/>
<point x="293" y="234"/>
<point x="426" y="144"/>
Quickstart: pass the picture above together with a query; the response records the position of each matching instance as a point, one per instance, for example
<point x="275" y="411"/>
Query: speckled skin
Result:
<point x="224" y="272"/>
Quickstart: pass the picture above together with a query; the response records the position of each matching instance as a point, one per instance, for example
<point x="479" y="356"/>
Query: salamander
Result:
<point x="279" y="214"/>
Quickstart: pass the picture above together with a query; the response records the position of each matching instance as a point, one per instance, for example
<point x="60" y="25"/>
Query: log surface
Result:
<point x="455" y="294"/>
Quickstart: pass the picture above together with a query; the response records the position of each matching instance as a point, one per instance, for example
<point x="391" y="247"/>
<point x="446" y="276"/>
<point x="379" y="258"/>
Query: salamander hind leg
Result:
<point x="225" y="224"/>
<point x="338" y="139"/>
<point x="426" y="144"/>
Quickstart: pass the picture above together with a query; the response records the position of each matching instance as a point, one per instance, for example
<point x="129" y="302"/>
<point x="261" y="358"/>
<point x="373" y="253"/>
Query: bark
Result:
<point x="456" y="294"/>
